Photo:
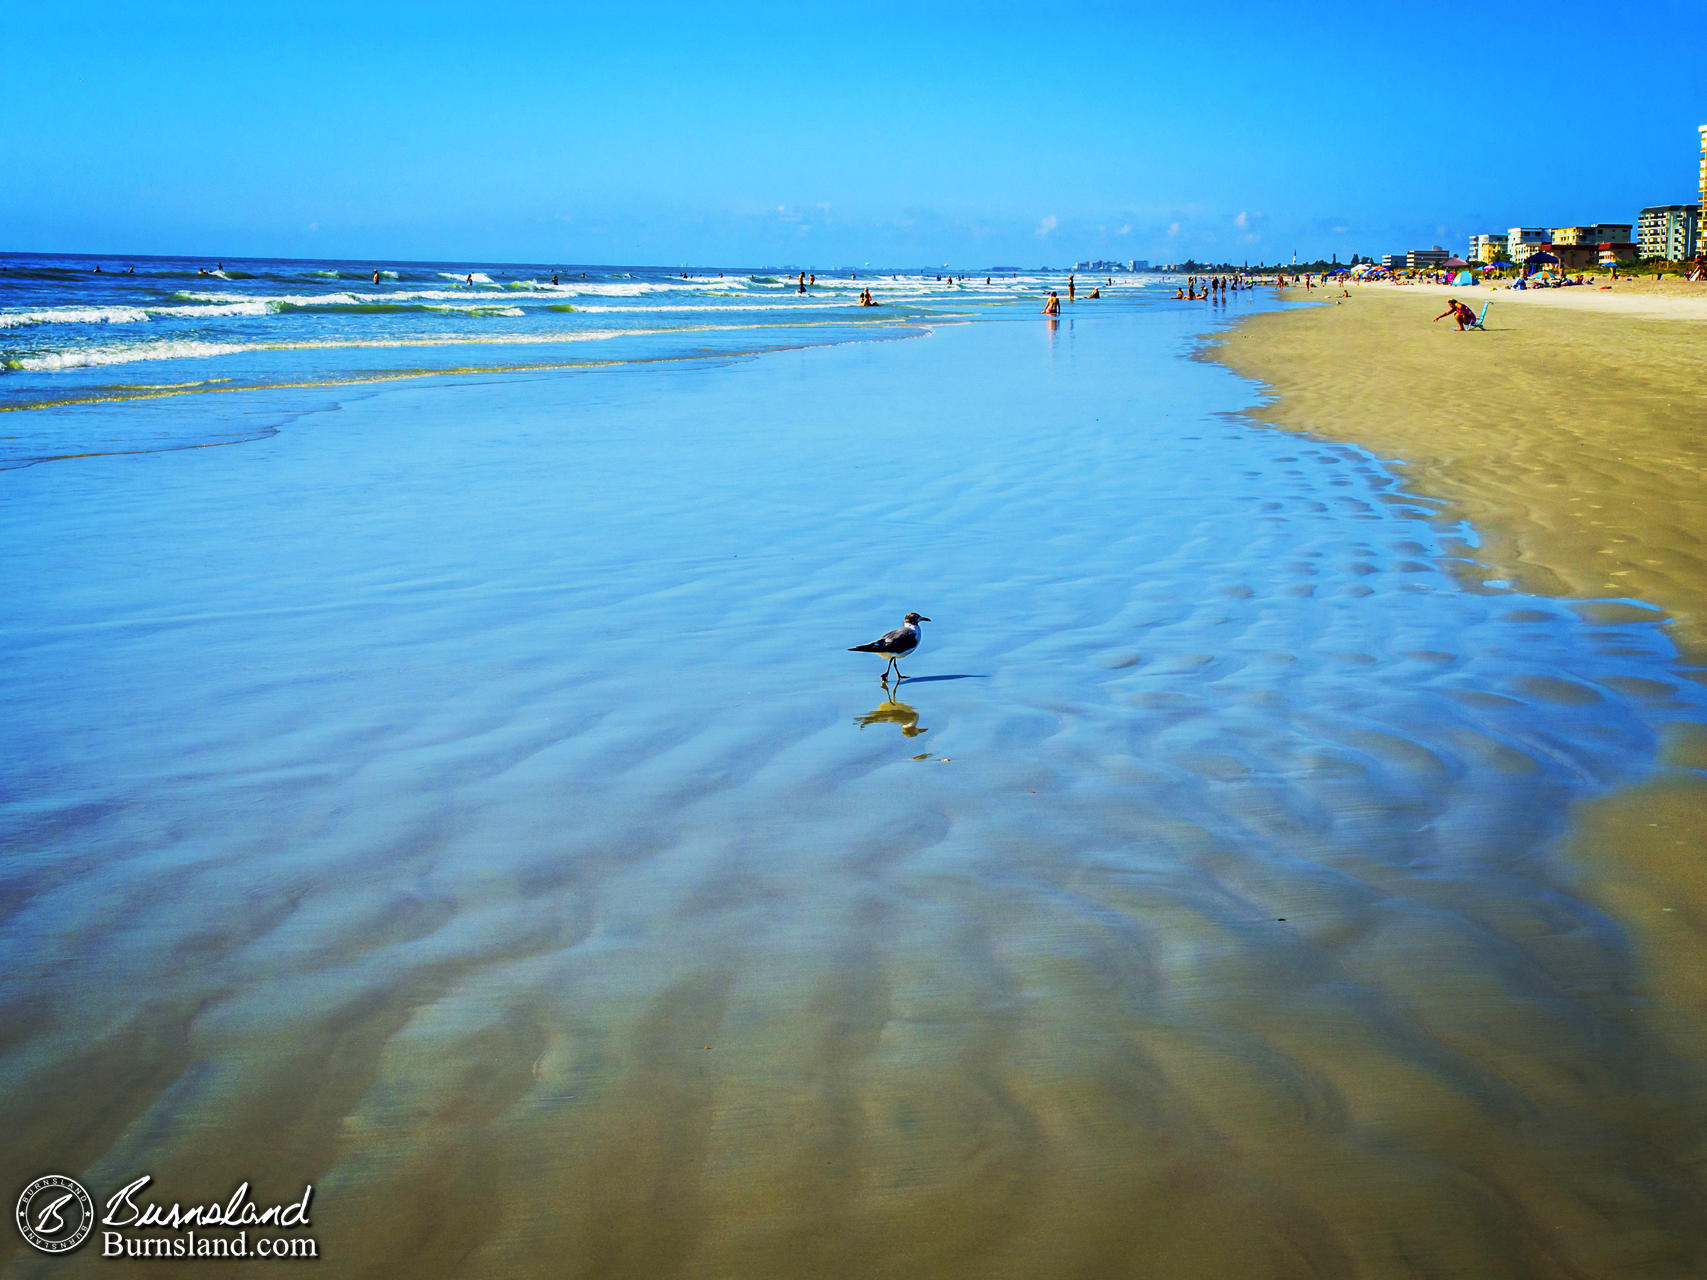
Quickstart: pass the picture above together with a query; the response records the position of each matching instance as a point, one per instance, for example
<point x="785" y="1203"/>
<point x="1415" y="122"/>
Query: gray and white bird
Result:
<point x="896" y="644"/>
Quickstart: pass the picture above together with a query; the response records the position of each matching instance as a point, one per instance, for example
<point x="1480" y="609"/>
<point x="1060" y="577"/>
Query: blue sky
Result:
<point x="792" y="133"/>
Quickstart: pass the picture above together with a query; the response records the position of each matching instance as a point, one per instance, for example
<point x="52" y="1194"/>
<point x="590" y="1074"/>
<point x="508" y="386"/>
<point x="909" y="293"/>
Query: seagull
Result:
<point x="895" y="645"/>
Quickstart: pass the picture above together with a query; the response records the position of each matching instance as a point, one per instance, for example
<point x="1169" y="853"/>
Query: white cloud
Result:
<point x="1242" y="221"/>
<point x="1173" y="229"/>
<point x="1047" y="225"/>
<point x="1124" y="230"/>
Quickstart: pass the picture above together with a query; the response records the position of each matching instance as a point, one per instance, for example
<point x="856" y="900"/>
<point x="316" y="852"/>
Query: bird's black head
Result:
<point x="913" y="617"/>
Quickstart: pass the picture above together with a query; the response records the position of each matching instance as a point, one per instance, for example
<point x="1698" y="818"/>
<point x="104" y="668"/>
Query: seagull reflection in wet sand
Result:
<point x="893" y="712"/>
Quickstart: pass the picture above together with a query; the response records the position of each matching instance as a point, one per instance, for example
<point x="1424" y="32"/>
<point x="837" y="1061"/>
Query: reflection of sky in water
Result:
<point x="504" y="741"/>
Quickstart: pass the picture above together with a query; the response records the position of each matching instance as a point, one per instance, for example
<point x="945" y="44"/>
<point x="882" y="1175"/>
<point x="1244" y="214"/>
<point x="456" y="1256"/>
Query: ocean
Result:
<point x="431" y="768"/>
<point x="79" y="330"/>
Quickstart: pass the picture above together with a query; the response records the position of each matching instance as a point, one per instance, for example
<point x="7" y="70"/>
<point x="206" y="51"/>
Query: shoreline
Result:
<point x="1567" y="436"/>
<point x="1587" y="484"/>
<point x="1197" y="899"/>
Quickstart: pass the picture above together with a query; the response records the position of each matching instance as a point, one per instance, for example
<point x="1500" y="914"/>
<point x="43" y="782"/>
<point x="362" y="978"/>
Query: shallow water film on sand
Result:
<point x="459" y="797"/>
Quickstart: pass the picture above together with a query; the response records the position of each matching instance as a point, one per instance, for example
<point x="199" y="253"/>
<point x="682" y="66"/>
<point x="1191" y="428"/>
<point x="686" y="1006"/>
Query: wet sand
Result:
<point x="1571" y="437"/>
<point x="462" y="799"/>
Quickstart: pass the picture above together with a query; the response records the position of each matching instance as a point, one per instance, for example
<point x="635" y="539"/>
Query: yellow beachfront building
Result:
<point x="1487" y="248"/>
<point x="1701" y="223"/>
<point x="1618" y="232"/>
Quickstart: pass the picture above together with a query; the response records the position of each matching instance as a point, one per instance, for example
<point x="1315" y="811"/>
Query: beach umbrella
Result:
<point x="1454" y="263"/>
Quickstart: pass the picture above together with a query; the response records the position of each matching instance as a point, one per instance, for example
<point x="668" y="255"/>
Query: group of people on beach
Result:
<point x="1052" y="305"/>
<point x="1218" y="286"/>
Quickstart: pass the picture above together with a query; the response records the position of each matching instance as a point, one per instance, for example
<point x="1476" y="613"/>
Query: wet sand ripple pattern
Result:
<point x="460" y="800"/>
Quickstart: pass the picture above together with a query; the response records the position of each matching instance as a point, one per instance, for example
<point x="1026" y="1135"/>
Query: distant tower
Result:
<point x="1701" y="224"/>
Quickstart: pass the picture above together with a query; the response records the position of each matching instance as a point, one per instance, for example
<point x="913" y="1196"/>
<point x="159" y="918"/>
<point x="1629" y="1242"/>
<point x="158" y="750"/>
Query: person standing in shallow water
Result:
<point x="1072" y="288"/>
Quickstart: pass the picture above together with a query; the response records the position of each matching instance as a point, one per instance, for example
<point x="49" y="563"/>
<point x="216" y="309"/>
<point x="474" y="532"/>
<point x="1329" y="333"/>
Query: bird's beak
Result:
<point x="924" y="619"/>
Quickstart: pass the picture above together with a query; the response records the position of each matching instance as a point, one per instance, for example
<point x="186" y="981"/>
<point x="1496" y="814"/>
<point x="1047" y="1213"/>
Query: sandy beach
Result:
<point x="1569" y="434"/>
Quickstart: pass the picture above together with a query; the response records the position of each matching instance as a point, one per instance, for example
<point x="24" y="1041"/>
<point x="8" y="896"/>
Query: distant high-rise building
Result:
<point x="1701" y="217"/>
<point x="1415" y="258"/>
<point x="1668" y="231"/>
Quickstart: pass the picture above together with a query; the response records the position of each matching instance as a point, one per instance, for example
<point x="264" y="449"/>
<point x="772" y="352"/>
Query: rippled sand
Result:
<point x="463" y="800"/>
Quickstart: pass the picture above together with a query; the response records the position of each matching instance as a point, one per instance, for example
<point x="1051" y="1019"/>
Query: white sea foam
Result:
<point x="594" y="308"/>
<point x="479" y="277"/>
<point x="90" y="357"/>
<point x="246" y="304"/>
<point x="188" y="349"/>
<point x="128" y="315"/>
<point x="72" y="315"/>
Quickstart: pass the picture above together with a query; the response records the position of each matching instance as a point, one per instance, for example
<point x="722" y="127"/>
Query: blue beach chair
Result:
<point x="1478" y="322"/>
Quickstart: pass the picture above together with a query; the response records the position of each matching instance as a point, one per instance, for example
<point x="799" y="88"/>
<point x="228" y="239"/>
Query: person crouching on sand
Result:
<point x="1465" y="316"/>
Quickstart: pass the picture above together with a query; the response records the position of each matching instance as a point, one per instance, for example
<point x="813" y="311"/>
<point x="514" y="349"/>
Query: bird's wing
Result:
<point x="889" y="642"/>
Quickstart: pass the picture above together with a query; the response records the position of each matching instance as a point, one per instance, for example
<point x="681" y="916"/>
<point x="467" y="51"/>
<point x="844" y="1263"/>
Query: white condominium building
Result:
<point x="1520" y="242"/>
<point x="1668" y="231"/>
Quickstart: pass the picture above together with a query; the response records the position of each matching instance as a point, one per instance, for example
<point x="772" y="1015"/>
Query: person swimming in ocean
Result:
<point x="376" y="275"/>
<point x="553" y="277"/>
<point x="470" y="281"/>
